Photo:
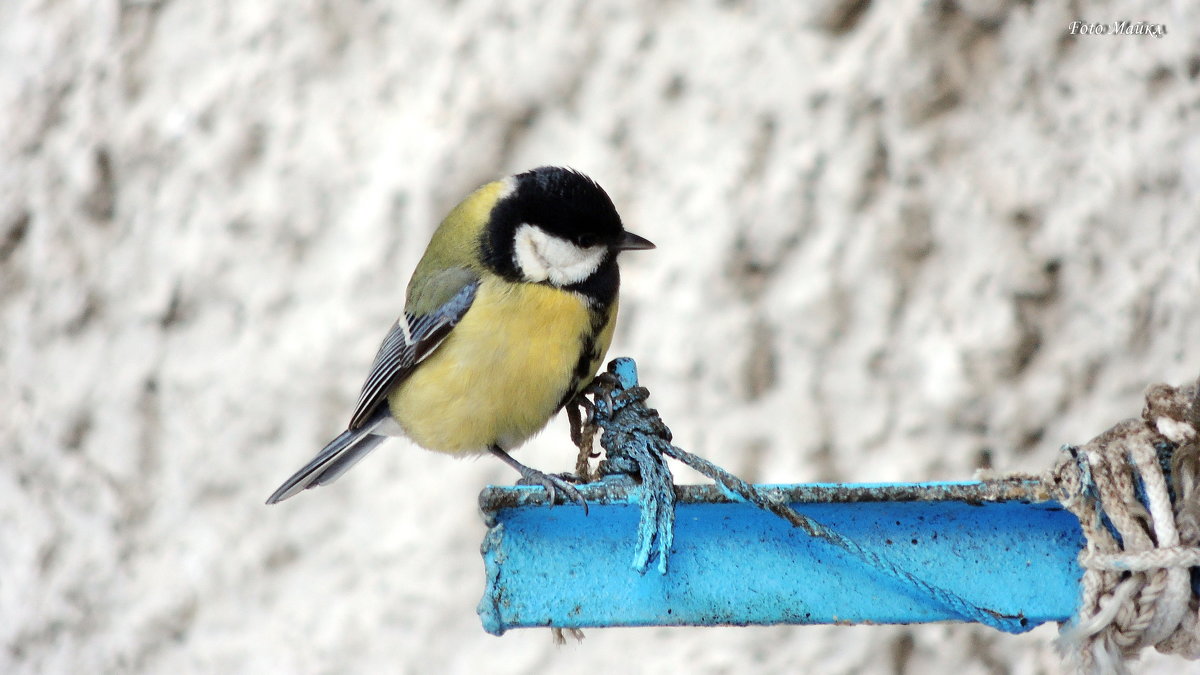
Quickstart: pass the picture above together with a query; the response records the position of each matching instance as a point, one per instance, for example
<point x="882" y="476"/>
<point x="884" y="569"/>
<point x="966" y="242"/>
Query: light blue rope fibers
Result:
<point x="635" y="436"/>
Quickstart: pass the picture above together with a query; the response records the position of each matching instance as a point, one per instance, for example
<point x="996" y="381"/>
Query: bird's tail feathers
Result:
<point x="334" y="459"/>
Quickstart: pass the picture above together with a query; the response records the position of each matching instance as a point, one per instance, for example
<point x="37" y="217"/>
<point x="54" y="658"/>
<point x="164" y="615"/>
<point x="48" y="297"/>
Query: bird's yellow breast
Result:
<point x="500" y="375"/>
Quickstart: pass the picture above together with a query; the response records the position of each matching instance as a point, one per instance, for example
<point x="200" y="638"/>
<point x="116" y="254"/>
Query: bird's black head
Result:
<point x="555" y="226"/>
<point x="565" y="204"/>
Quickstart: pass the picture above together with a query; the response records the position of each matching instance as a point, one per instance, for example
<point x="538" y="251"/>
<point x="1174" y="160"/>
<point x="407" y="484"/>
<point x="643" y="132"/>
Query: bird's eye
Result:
<point x="586" y="240"/>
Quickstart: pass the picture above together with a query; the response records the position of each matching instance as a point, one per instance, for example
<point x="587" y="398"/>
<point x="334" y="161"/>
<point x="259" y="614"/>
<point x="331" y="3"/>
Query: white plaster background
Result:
<point x="895" y="240"/>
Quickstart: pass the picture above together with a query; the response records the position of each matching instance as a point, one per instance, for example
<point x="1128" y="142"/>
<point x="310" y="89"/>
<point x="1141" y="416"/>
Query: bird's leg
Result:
<point x="531" y="476"/>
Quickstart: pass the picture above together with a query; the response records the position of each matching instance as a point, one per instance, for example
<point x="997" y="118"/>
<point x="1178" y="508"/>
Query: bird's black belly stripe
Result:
<point x="589" y="354"/>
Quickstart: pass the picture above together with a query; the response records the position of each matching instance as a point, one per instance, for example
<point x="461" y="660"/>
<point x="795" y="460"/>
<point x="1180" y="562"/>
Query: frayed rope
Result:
<point x="1134" y="490"/>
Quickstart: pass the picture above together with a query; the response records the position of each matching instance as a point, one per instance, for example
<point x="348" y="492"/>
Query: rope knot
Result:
<point x="1133" y="489"/>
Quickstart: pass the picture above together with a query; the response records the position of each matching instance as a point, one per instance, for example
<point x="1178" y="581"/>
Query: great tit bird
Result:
<point x="508" y="315"/>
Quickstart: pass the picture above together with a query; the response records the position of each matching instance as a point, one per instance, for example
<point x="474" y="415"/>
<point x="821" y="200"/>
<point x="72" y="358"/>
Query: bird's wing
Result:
<point x="414" y="337"/>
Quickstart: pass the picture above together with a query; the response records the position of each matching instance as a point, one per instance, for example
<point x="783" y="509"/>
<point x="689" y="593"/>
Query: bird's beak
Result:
<point x="632" y="242"/>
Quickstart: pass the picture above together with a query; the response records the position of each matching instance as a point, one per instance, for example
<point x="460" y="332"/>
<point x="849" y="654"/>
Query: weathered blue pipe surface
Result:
<point x="983" y="545"/>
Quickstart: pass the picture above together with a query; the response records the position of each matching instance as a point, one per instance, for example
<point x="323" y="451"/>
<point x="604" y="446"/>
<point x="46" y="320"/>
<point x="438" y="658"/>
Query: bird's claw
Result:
<point x="602" y="388"/>
<point x="632" y="395"/>
<point x="553" y="483"/>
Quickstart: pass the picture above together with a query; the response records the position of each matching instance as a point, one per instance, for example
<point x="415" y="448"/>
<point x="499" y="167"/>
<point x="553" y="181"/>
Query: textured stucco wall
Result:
<point x="897" y="241"/>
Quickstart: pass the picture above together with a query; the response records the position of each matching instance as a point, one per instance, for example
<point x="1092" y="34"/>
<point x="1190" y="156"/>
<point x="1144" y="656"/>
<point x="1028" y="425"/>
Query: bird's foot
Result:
<point x="601" y="388"/>
<point x="552" y="482"/>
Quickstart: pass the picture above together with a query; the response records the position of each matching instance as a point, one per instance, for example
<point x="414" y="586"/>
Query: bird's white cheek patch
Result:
<point x="544" y="257"/>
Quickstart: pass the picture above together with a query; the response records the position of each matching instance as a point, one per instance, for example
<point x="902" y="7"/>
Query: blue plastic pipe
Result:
<point x="964" y="552"/>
